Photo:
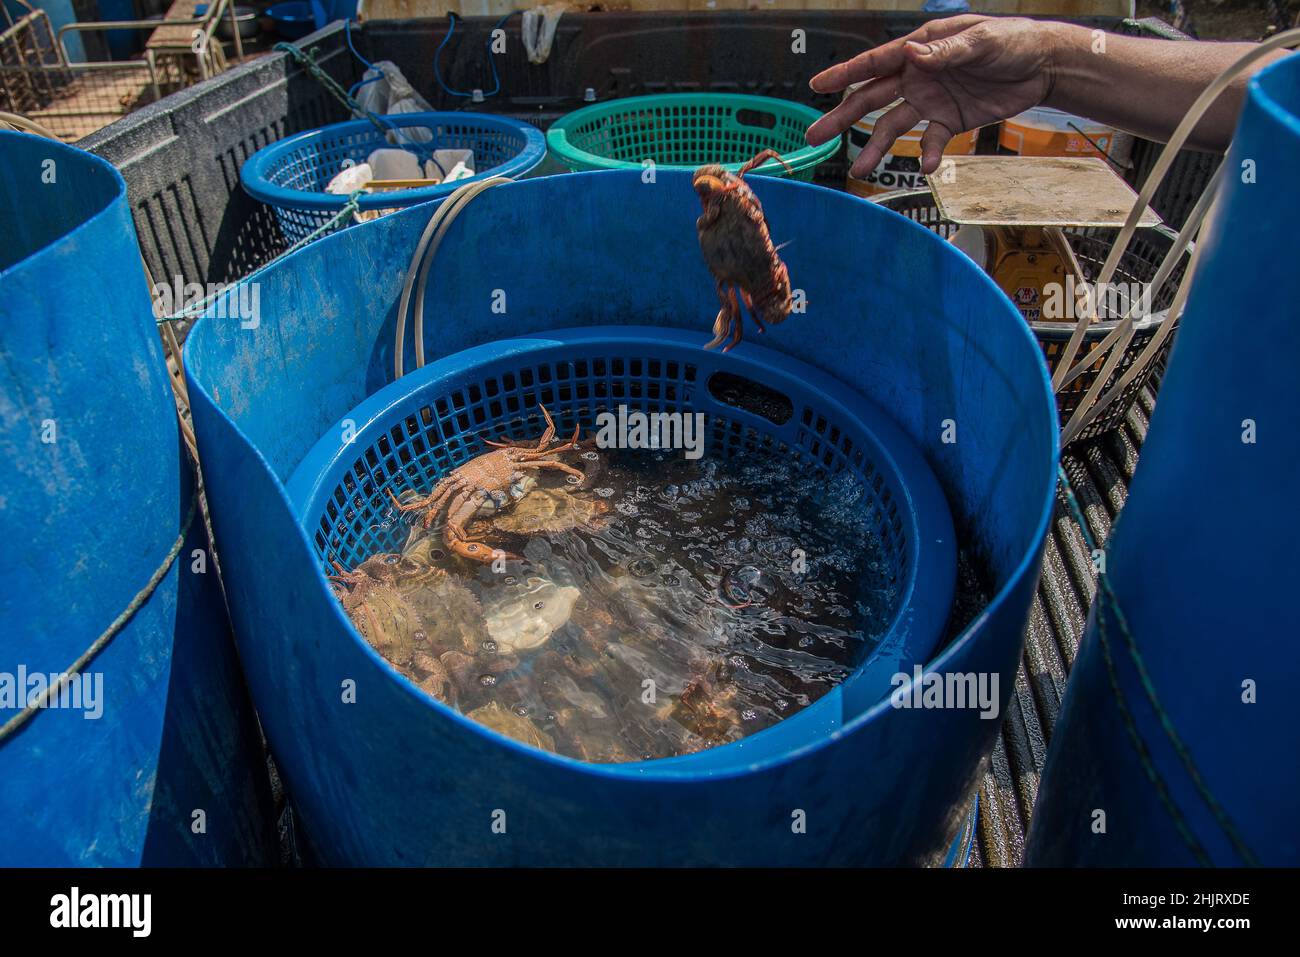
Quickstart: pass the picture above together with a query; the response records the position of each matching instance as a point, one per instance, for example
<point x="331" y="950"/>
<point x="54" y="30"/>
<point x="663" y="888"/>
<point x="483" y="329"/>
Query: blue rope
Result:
<point x="307" y="61"/>
<point x="437" y="57"/>
<point x="347" y="35"/>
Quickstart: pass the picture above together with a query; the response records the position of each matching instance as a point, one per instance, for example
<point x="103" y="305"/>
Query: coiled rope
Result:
<point x="422" y="259"/>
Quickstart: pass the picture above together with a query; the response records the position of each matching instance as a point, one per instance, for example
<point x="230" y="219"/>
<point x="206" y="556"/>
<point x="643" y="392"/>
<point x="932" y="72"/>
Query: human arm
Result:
<point x="964" y="72"/>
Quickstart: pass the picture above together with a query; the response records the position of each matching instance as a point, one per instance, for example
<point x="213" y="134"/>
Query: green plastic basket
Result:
<point x="686" y="130"/>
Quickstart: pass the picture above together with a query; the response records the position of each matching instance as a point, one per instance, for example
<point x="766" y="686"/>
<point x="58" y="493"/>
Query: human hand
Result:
<point x="959" y="73"/>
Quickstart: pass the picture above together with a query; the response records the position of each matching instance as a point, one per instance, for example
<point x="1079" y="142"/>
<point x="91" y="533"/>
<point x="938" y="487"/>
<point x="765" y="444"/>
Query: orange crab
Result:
<point x="484" y="482"/>
<point x="739" y="252"/>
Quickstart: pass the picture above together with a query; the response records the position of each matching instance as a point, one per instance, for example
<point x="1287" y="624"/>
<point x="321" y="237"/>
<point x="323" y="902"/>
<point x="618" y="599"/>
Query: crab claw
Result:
<point x="706" y="184"/>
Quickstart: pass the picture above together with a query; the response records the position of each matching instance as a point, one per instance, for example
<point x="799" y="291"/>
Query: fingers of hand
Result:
<point x="870" y="96"/>
<point x="887" y="129"/>
<point x="946" y="53"/>
<point x="888" y="57"/>
<point x="879" y="61"/>
<point x="933" y="141"/>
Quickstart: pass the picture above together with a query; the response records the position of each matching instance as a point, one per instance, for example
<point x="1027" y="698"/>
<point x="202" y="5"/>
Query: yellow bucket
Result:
<point x="1044" y="131"/>
<point x="900" y="168"/>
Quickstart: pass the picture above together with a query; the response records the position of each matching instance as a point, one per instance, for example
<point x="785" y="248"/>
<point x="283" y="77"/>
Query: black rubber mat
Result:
<point x="1099" y="471"/>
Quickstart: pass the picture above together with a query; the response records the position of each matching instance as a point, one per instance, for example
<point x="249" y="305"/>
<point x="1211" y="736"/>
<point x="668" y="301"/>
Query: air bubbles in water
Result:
<point x="748" y="585"/>
<point x="687" y="579"/>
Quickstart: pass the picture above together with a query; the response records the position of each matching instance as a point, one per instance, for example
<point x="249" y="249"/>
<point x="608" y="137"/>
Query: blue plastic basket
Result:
<point x="291" y="175"/>
<point x="412" y="432"/>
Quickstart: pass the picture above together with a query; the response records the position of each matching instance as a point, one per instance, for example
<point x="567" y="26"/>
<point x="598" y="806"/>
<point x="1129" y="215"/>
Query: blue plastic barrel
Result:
<point x="154" y="758"/>
<point x="391" y="776"/>
<point x="1197" y="765"/>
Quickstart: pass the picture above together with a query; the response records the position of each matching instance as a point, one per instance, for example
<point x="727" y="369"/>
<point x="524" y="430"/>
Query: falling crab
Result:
<point x="738" y="250"/>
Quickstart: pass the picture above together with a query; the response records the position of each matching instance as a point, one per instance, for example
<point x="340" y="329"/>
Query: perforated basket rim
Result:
<point x="256" y="170"/>
<point x="931" y="538"/>
<point x="800" y="160"/>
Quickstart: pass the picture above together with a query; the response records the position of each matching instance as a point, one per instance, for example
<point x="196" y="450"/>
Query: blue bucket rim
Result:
<point x="666" y="769"/>
<point x="79" y="155"/>
<point x="253" y="173"/>
<point x="1260" y="89"/>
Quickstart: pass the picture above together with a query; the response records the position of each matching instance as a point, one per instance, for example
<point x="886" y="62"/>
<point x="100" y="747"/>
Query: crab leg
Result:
<point x="735" y="338"/>
<point x="538" y="453"/>
<point x="456" y="486"/>
<point x="550" y="429"/>
<point x="762" y="158"/>
<point x="728" y="321"/>
<point x="560" y="466"/>
<point x="542" y="443"/>
<point x="432" y="501"/>
<point x="462" y="508"/>
<point x="753" y="313"/>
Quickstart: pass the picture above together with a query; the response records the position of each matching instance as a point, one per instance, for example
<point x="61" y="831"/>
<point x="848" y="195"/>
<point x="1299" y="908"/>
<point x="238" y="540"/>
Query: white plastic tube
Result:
<point x="421" y="261"/>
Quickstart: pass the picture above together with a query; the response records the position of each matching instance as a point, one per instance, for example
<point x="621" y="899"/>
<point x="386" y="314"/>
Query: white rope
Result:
<point x="1075" y="425"/>
<point x="22" y="124"/>
<point x="1167" y="265"/>
<point x="1285" y="40"/>
<point x="425" y="249"/>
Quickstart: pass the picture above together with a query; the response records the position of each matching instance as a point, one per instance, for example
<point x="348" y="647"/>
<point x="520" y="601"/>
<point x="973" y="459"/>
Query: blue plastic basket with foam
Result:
<point x="290" y="176"/>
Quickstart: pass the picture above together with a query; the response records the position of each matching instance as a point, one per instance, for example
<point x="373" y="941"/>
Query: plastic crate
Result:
<point x="1091" y="245"/>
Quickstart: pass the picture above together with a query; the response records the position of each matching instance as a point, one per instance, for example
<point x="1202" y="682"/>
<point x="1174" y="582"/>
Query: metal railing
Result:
<point x="41" y="80"/>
